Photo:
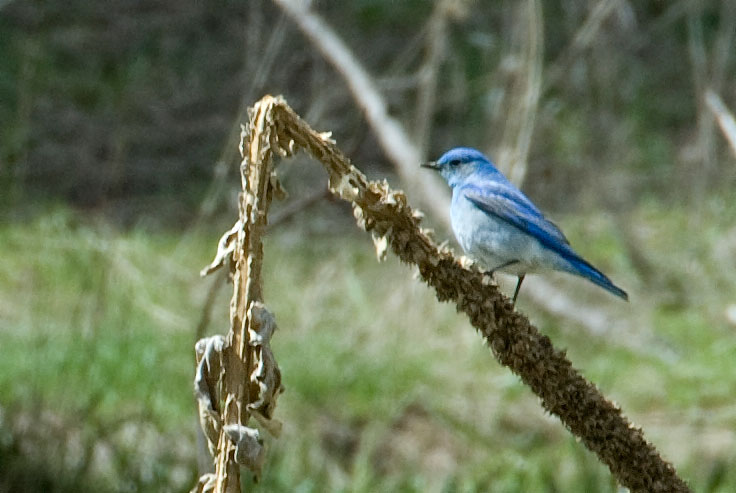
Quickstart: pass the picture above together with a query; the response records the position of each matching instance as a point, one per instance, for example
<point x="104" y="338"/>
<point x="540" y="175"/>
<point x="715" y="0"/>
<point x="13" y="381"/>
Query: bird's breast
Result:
<point x="492" y="242"/>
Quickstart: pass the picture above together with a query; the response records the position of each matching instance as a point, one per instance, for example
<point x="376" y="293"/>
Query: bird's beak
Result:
<point x="430" y="165"/>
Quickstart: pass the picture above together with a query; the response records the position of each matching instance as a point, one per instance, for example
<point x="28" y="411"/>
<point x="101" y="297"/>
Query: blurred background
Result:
<point x="119" y="129"/>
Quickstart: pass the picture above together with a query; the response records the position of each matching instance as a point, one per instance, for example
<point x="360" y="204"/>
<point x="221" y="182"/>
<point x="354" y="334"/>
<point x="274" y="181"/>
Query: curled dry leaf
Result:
<point x="225" y="248"/>
<point x="266" y="374"/>
<point x="206" y="484"/>
<point x="249" y="449"/>
<point x="209" y="354"/>
<point x="263" y="324"/>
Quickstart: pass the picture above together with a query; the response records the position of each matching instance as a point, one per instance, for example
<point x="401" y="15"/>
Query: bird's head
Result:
<point x="457" y="164"/>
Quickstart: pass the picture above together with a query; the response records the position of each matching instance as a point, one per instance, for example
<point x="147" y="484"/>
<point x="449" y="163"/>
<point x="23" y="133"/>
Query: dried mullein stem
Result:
<point x="516" y="343"/>
<point x="248" y="381"/>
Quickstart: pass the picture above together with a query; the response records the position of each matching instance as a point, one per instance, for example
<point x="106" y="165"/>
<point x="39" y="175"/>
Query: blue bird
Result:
<point x="498" y="226"/>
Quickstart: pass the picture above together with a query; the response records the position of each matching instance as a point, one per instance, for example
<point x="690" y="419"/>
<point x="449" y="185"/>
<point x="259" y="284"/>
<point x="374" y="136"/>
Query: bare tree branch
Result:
<point x="514" y="150"/>
<point x="393" y="138"/>
<point x="429" y="72"/>
<point x="699" y="61"/>
<point x="297" y="206"/>
<point x="583" y="38"/>
<point x="723" y="116"/>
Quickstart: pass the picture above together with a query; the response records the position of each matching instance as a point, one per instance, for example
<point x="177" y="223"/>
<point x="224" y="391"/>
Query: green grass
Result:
<point x="386" y="389"/>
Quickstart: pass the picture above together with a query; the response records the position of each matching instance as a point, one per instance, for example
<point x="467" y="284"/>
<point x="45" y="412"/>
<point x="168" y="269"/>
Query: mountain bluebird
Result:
<point x="499" y="227"/>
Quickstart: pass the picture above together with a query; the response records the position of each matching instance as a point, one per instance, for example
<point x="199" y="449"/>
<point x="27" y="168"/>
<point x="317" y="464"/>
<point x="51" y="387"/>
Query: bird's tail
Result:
<point x="580" y="267"/>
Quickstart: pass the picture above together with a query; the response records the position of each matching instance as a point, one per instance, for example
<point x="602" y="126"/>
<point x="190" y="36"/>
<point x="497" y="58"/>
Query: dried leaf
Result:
<point x="327" y="137"/>
<point x="209" y="353"/>
<point x="225" y="248"/>
<point x="205" y="484"/>
<point x="263" y="324"/>
<point x="249" y="449"/>
<point x="278" y="189"/>
<point x="381" y="244"/>
<point x="268" y="378"/>
<point x="344" y="187"/>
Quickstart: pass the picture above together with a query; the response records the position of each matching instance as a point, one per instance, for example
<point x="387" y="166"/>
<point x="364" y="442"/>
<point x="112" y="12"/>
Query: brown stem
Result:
<point x="240" y="390"/>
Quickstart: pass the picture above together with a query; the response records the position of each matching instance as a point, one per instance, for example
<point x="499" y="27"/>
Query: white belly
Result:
<point x="493" y="242"/>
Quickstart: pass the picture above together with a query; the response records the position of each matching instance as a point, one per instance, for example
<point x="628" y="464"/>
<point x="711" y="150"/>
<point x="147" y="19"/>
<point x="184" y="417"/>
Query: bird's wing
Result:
<point x="513" y="207"/>
<point x="510" y="205"/>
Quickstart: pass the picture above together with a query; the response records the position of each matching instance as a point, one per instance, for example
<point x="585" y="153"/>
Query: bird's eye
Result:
<point x="454" y="162"/>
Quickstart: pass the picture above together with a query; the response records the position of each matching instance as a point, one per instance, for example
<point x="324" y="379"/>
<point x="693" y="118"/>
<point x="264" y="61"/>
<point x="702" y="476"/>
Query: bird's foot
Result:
<point x="491" y="273"/>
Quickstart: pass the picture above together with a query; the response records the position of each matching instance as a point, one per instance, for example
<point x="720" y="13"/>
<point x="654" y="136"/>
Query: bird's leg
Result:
<point x="505" y="264"/>
<point x="518" y="284"/>
<point x="518" y="287"/>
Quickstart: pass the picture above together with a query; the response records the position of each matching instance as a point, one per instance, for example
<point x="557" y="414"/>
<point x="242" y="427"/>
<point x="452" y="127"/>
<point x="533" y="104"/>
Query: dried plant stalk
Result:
<point x="237" y="377"/>
<point x="514" y="341"/>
